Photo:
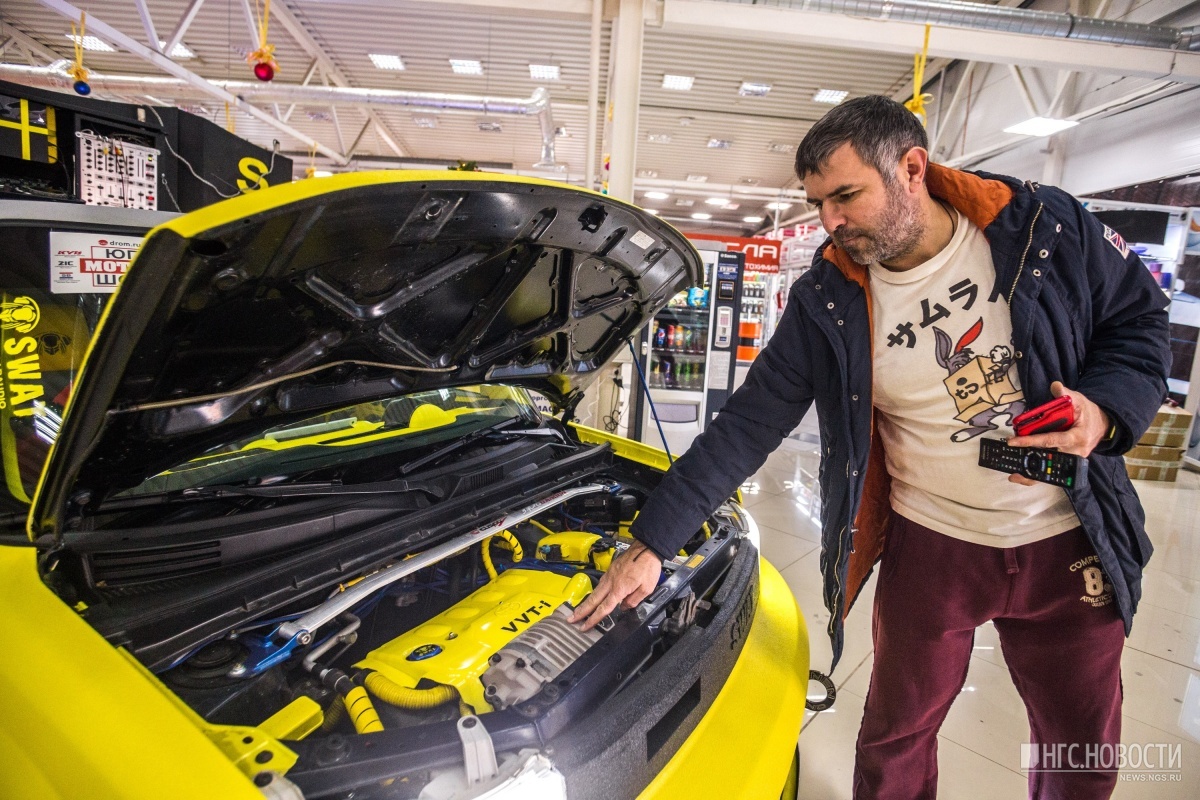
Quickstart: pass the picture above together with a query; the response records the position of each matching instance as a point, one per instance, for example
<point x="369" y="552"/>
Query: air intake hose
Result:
<point x="389" y="691"/>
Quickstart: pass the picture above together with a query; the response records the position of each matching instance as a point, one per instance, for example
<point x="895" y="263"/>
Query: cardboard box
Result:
<point x="1151" y="463"/>
<point x="1159" y="473"/>
<point x="1159" y="455"/>
<point x="1169" y="429"/>
<point x="979" y="385"/>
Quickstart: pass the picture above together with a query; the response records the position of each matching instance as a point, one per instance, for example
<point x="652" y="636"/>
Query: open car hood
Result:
<point x="288" y="301"/>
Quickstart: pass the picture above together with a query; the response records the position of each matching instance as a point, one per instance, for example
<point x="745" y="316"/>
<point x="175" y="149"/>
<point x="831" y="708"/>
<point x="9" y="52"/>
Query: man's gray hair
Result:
<point x="878" y="128"/>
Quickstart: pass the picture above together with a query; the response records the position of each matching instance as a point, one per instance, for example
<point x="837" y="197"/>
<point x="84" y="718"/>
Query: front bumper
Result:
<point x="743" y="746"/>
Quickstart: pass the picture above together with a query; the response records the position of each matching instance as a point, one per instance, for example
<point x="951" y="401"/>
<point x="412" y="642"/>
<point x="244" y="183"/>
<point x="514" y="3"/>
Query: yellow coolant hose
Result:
<point x="333" y="715"/>
<point x="362" y="711"/>
<point x="513" y="545"/>
<point x="389" y="691"/>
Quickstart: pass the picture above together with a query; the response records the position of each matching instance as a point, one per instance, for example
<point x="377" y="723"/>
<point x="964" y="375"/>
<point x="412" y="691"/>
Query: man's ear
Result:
<point x="913" y="166"/>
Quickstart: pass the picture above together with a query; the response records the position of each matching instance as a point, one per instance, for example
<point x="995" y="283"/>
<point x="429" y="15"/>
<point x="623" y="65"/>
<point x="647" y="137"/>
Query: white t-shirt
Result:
<point x="945" y="375"/>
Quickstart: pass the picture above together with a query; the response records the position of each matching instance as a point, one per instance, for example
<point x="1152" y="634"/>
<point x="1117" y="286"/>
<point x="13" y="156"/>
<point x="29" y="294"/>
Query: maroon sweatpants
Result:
<point x="1060" y="632"/>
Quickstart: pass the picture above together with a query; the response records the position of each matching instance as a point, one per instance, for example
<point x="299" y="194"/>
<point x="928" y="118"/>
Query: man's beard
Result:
<point x="896" y="234"/>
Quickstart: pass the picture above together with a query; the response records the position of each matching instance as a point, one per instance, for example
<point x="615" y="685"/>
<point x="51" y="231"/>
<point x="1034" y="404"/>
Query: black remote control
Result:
<point x="1037" y="464"/>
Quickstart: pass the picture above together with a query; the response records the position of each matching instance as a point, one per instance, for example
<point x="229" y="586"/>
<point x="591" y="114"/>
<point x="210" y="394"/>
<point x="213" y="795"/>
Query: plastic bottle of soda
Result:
<point x="677" y="343"/>
<point x="660" y="336"/>
<point x="698" y="376"/>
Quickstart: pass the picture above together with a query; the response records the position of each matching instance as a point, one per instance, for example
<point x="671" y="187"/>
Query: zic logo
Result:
<point x="21" y="315"/>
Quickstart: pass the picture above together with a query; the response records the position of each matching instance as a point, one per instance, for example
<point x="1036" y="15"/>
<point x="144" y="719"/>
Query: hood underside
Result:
<point x="310" y="296"/>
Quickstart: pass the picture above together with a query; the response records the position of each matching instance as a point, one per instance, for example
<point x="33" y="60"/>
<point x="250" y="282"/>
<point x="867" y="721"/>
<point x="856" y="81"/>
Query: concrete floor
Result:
<point x="979" y="745"/>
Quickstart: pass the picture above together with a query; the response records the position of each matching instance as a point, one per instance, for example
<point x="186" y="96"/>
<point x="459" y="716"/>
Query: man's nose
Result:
<point x="831" y="219"/>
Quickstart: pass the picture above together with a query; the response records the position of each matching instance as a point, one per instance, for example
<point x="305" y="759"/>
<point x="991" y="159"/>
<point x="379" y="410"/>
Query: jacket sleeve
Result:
<point x="765" y="409"/>
<point x="1129" y="353"/>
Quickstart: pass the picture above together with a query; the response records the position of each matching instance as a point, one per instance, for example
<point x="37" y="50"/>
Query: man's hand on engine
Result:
<point x="629" y="580"/>
<point x="1091" y="425"/>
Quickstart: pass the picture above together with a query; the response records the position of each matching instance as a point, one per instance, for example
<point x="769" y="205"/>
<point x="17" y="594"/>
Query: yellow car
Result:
<point x="293" y="526"/>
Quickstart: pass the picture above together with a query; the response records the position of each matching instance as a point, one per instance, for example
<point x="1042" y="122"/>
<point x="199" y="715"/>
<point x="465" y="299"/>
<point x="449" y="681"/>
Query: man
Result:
<point x="945" y="304"/>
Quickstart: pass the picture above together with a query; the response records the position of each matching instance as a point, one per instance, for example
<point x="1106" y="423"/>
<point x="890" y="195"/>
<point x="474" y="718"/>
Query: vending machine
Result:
<point x="688" y="353"/>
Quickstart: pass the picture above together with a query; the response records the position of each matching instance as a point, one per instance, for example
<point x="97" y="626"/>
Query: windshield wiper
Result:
<point x="313" y="489"/>
<point x="497" y="429"/>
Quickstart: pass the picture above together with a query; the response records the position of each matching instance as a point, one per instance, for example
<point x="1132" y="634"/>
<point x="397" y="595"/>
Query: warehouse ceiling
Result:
<point x="711" y="141"/>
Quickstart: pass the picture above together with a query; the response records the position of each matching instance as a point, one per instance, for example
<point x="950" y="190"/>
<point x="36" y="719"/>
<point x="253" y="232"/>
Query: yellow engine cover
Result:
<point x="453" y="648"/>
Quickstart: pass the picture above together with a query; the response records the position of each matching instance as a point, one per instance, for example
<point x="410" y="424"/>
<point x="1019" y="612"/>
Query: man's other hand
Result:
<point x="1091" y="426"/>
<point x="629" y="580"/>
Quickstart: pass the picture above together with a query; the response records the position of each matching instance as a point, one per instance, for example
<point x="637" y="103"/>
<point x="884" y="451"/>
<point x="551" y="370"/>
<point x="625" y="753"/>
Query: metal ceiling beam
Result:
<point x="1148" y="92"/>
<point x="310" y="45"/>
<point x="544" y="9"/>
<point x="793" y="26"/>
<point x="185" y="22"/>
<point x="148" y="24"/>
<point x="159" y="60"/>
<point x="30" y="44"/>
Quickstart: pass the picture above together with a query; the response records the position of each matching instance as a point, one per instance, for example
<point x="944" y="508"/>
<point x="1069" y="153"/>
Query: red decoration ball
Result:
<point x="264" y="71"/>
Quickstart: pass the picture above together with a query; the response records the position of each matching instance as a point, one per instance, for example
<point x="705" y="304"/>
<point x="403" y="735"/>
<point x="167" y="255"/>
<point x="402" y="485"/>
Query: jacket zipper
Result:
<point x="1029" y="244"/>
<point x="835" y="613"/>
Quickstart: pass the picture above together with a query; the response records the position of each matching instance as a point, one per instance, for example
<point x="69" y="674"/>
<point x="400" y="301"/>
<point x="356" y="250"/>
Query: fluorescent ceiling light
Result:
<point x="750" y="89"/>
<point x="656" y="195"/>
<point x="181" y="51"/>
<point x="720" y="144"/>
<point x="697" y="178"/>
<point x="717" y="201"/>
<point x="92" y="43"/>
<point x="425" y="122"/>
<point x="752" y="219"/>
<point x="701" y="215"/>
<point x="543" y="72"/>
<point x="382" y="61"/>
<point x="732" y="206"/>
<point x="1041" y="126"/>
<point x="322" y="173"/>
<point x="466" y="66"/>
<point x="684" y="202"/>
<point x="749" y="181"/>
<point x="780" y="147"/>
<point x="648" y="173"/>
<point x="680" y="83"/>
<point x="651" y="211"/>
<point x="830" y="96"/>
<point x="490" y="127"/>
<point x="658" y="138"/>
<point x="779" y="206"/>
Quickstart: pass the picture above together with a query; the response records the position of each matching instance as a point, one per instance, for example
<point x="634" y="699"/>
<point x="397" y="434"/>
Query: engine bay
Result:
<point x="462" y="633"/>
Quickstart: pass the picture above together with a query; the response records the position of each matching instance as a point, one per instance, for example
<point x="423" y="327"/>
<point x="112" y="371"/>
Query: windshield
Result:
<point x="407" y="423"/>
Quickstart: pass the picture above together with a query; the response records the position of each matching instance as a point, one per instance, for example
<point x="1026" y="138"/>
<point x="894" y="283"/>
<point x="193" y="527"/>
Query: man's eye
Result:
<point x="845" y="198"/>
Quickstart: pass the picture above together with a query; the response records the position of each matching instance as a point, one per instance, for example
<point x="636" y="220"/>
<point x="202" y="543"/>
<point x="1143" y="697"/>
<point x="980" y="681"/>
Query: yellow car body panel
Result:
<point x="80" y="720"/>
<point x="743" y="746"/>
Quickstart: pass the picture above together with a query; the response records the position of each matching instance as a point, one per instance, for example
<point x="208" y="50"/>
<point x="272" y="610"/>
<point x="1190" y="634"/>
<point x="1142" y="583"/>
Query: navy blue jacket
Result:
<point x="1085" y="311"/>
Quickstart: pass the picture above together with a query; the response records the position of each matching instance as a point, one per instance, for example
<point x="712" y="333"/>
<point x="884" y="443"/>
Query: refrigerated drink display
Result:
<point x="680" y="341"/>
<point x="690" y="355"/>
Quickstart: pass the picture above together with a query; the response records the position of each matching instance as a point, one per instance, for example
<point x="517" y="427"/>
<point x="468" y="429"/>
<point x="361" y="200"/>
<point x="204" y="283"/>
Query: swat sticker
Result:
<point x="1114" y="238"/>
<point x="423" y="652"/>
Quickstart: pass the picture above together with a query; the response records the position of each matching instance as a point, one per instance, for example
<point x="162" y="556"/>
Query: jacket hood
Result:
<point x="315" y="295"/>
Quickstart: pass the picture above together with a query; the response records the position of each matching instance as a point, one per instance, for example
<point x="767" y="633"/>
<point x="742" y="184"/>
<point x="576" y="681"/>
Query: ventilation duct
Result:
<point x="1024" y="21"/>
<point x="536" y="105"/>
